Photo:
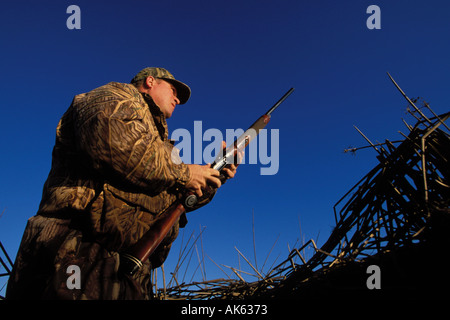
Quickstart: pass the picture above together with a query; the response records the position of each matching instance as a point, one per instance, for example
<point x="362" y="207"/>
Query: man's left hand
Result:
<point x="229" y="170"/>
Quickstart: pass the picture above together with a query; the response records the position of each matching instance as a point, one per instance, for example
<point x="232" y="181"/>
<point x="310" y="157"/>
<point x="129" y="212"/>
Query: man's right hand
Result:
<point x="200" y="177"/>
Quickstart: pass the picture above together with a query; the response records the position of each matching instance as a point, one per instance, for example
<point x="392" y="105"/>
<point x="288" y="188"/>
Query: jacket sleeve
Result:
<point x="115" y="132"/>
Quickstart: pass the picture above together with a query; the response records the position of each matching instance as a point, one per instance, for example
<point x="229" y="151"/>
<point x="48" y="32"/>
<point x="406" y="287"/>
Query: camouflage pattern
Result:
<point x="183" y="90"/>
<point x="112" y="177"/>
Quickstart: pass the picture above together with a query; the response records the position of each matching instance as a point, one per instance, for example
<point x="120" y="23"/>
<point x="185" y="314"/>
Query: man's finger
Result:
<point x="215" y="182"/>
<point x="214" y="173"/>
<point x="229" y="173"/>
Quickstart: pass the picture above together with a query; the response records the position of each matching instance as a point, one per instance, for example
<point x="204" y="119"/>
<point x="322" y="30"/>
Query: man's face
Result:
<point x="164" y="95"/>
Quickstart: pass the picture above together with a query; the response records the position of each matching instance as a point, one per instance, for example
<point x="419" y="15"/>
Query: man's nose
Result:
<point x="177" y="101"/>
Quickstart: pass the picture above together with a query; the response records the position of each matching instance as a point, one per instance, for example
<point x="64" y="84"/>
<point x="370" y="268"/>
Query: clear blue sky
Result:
<point x="238" y="57"/>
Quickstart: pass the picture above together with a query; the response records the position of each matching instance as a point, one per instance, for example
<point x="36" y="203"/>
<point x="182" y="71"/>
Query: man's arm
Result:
<point x="113" y="133"/>
<point x="119" y="143"/>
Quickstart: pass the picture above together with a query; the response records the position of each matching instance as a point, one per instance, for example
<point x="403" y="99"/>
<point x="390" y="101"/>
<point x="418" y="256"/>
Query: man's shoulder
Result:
<point x="119" y="89"/>
<point x="109" y="92"/>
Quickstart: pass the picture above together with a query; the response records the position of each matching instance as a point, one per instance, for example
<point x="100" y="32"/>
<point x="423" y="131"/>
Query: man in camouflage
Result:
<point x="113" y="173"/>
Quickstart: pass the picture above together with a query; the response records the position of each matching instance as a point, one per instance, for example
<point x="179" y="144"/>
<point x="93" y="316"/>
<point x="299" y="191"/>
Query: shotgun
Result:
<point x="132" y="259"/>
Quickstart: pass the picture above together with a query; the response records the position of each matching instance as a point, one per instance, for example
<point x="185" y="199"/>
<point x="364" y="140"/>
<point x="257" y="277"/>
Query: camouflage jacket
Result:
<point x="113" y="173"/>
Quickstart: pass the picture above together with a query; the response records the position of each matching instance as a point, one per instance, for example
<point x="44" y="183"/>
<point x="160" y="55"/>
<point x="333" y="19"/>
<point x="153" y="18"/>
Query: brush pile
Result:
<point x="396" y="217"/>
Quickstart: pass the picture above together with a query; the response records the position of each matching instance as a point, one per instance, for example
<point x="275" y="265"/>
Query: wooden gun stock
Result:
<point x="132" y="260"/>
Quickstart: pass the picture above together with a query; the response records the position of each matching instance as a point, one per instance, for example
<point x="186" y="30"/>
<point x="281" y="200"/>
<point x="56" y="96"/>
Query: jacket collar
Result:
<point x="152" y="105"/>
<point x="158" y="117"/>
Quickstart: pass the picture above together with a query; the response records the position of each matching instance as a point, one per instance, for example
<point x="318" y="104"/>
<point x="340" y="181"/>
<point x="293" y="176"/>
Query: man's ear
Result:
<point x="149" y="82"/>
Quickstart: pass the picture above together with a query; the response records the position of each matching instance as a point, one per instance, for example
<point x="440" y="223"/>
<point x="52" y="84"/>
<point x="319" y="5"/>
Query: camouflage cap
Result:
<point x="183" y="90"/>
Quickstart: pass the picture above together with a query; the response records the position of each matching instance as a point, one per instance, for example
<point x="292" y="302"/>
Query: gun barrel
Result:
<point x="241" y="143"/>
<point x="280" y="101"/>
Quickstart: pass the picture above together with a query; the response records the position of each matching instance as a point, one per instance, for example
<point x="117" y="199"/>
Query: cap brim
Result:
<point x="183" y="90"/>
